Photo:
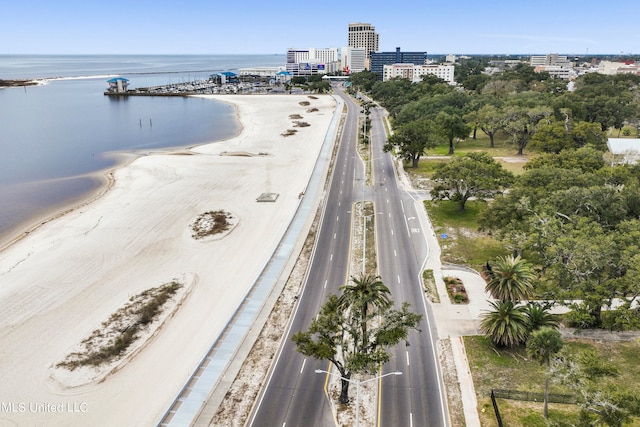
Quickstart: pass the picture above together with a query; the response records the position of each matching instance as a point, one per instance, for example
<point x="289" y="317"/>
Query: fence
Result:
<point x="495" y="409"/>
<point x="532" y="396"/>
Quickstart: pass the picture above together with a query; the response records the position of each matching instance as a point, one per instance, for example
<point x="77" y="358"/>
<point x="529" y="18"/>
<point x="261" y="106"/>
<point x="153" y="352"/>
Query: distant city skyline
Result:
<point x="203" y="27"/>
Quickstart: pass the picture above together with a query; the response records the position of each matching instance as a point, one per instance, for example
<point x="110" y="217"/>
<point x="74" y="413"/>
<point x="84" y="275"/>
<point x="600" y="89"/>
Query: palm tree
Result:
<point x="541" y="345"/>
<point x="506" y="325"/>
<point x="540" y="317"/>
<point x="511" y="279"/>
<point x="366" y="293"/>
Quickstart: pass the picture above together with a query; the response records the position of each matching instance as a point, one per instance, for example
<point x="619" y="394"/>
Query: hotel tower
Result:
<point x="363" y="35"/>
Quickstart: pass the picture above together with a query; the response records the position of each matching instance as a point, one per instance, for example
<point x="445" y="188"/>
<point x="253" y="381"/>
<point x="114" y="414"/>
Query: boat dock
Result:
<point x="119" y="87"/>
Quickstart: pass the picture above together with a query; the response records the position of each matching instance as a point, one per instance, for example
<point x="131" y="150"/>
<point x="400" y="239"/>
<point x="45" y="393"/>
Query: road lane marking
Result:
<point x="395" y="254"/>
<point x="410" y="419"/>
<point x="303" y="363"/>
<point x="408" y="364"/>
<point x="325" y="283"/>
<point x="335" y="235"/>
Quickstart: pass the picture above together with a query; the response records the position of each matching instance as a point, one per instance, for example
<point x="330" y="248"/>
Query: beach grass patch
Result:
<point x="211" y="223"/>
<point x="300" y="124"/>
<point x="304" y="103"/>
<point x="312" y="110"/>
<point x="289" y="132"/>
<point x="122" y="329"/>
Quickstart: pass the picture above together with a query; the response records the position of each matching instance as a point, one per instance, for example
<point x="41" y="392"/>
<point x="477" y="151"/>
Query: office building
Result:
<point x="380" y="59"/>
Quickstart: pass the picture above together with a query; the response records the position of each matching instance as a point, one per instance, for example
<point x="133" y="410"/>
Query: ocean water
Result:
<point x="57" y="140"/>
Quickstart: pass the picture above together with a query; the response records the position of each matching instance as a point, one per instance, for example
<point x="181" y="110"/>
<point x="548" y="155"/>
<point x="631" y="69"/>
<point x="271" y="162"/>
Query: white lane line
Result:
<point x="325" y="283"/>
<point x="408" y="364"/>
<point x="398" y="279"/>
<point x="331" y="258"/>
<point x="303" y="363"/>
<point x="335" y="235"/>
<point x="410" y="419"/>
<point x="395" y="254"/>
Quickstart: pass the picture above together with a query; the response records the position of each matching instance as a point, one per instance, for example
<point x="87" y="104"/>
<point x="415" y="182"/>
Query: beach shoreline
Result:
<point x="68" y="274"/>
<point x="105" y="180"/>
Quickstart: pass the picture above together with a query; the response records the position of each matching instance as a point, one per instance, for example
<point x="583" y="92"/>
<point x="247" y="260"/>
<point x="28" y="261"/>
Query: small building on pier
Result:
<point x="224" y="77"/>
<point x="118" y="85"/>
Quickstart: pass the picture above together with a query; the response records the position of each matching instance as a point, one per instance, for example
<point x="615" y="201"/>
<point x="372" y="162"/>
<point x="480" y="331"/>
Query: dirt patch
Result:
<point x="452" y="385"/>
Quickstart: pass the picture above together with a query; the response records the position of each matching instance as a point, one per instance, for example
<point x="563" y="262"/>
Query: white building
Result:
<point x="353" y="59"/>
<point x="610" y="68"/>
<point x="261" y="71"/>
<point x="414" y="73"/>
<point x="624" y="150"/>
<point x="307" y="62"/>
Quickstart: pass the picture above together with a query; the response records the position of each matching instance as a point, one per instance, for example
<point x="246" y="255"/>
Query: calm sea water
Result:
<point x="57" y="139"/>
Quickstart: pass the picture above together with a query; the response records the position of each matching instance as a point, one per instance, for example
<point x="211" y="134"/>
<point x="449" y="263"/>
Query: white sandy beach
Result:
<point x="64" y="279"/>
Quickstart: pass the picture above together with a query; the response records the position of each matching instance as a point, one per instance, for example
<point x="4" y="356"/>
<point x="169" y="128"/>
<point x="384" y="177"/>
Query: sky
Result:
<point x="575" y="27"/>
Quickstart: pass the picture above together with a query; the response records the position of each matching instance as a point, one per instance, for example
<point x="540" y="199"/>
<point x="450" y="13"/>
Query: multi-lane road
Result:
<point x="294" y="395"/>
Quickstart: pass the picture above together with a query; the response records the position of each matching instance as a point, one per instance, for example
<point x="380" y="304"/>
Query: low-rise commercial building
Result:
<point x="558" y="66"/>
<point x="414" y="73"/>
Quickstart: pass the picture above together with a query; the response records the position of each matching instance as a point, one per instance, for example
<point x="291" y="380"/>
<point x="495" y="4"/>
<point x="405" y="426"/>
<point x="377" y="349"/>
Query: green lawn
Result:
<point x="464" y="244"/>
<point x="503" y="147"/>
<point x="512" y="369"/>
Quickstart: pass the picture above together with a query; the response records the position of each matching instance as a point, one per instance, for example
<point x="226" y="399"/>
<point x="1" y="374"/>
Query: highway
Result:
<point x="417" y="397"/>
<point x="294" y="394"/>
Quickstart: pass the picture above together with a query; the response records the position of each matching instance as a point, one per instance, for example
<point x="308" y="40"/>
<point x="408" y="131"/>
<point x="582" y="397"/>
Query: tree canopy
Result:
<point x="356" y="330"/>
<point x="474" y="175"/>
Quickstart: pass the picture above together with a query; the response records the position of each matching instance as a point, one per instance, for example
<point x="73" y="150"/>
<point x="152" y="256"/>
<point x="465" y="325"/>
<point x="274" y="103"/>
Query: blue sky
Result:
<point x="251" y="27"/>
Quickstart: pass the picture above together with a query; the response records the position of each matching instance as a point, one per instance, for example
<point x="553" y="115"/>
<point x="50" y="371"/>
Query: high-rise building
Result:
<point x="363" y="35"/>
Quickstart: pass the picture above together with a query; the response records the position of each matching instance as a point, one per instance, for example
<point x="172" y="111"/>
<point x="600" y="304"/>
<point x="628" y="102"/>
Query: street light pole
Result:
<point x="358" y="384"/>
